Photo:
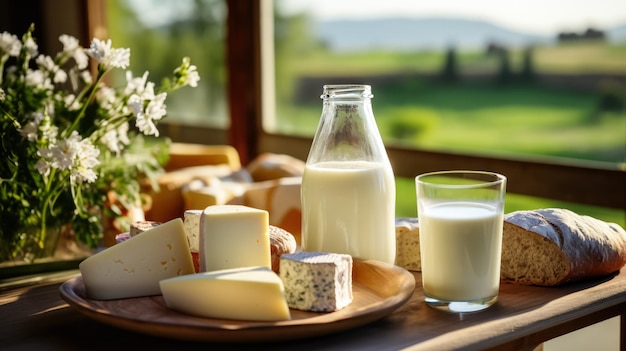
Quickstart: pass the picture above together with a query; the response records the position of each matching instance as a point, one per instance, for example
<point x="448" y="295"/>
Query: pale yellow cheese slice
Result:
<point x="233" y="236"/>
<point x="134" y="267"/>
<point x="248" y="293"/>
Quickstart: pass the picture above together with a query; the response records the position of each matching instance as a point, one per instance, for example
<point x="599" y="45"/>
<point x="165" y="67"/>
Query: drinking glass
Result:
<point x="460" y="217"/>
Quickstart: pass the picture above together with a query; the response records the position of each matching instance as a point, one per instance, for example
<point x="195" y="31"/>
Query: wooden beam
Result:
<point x="244" y="76"/>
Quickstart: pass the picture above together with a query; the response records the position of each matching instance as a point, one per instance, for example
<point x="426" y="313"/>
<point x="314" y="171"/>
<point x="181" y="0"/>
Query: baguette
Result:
<point x="552" y="246"/>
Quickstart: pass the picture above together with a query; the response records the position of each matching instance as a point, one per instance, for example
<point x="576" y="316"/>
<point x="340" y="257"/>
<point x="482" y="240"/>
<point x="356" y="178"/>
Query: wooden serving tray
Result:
<point x="378" y="288"/>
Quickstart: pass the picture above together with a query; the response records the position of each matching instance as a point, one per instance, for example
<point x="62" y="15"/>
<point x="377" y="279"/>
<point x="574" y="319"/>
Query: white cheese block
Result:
<point x="247" y="293"/>
<point x="134" y="267"/>
<point x="317" y="281"/>
<point x="191" y="223"/>
<point x="233" y="236"/>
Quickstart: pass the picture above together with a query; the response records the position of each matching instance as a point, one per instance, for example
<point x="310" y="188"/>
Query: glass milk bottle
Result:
<point x="348" y="186"/>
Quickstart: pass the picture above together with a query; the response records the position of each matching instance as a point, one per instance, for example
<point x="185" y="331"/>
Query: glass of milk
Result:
<point x="460" y="226"/>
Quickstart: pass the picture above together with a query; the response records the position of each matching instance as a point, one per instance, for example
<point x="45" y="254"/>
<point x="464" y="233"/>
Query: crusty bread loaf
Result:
<point x="555" y="246"/>
<point x="408" y="244"/>
<point x="281" y="242"/>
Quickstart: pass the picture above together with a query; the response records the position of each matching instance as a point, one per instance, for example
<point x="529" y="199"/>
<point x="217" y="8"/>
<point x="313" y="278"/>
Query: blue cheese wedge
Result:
<point x="246" y="293"/>
<point x="134" y="267"/>
<point x="317" y="281"/>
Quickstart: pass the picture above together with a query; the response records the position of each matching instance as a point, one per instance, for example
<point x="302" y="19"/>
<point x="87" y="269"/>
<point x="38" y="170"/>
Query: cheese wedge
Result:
<point x="134" y="267"/>
<point x="248" y="293"/>
<point x="233" y="236"/>
<point x="191" y="224"/>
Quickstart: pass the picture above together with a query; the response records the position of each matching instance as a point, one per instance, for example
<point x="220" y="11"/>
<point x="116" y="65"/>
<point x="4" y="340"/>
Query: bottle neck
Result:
<point x="347" y="130"/>
<point x="347" y="92"/>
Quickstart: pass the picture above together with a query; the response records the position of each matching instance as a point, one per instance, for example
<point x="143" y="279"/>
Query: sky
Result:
<point x="530" y="16"/>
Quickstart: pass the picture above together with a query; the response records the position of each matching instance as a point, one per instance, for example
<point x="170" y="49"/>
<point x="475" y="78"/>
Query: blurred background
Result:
<point x="529" y="79"/>
<point x="545" y="78"/>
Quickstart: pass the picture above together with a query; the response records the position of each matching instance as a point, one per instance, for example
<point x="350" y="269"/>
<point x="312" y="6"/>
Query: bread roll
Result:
<point x="268" y="166"/>
<point x="408" y="244"/>
<point x="555" y="246"/>
<point x="281" y="242"/>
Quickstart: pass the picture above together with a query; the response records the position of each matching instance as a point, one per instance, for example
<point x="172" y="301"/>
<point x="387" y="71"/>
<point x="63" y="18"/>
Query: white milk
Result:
<point x="460" y="246"/>
<point x="349" y="207"/>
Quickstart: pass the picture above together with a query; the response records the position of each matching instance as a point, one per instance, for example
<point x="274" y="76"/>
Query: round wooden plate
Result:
<point x="378" y="288"/>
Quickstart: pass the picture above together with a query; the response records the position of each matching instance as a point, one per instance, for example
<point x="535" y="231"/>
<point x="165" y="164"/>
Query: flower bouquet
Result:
<point x="70" y="143"/>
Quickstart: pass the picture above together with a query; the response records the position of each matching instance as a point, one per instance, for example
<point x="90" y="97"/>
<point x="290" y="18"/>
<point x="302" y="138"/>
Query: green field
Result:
<point x="480" y="117"/>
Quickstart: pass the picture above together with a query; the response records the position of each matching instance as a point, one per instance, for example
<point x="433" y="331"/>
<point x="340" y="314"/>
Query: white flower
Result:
<point x="114" y="104"/>
<point x="99" y="49"/>
<point x="107" y="56"/>
<point x="50" y="132"/>
<point x="193" y="77"/>
<point x="156" y="108"/>
<point x="70" y="46"/>
<point x="71" y="102"/>
<point x="10" y="44"/>
<point x="139" y="86"/>
<point x="85" y="161"/>
<point x="122" y="133"/>
<point x="106" y="97"/>
<point x="42" y="165"/>
<point x="154" y="111"/>
<point x="31" y="47"/>
<point x="37" y="117"/>
<point x="29" y="131"/>
<point x="77" y="155"/>
<point x="46" y="62"/>
<point x="187" y="74"/>
<point x="145" y="125"/>
<point x="38" y="80"/>
<point x="2" y="94"/>
<point x="115" y="139"/>
<point x="86" y="77"/>
<point x="65" y="151"/>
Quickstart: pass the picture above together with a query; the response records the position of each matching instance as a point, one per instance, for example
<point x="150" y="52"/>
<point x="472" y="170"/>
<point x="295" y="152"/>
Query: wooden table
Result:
<point x="33" y="316"/>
